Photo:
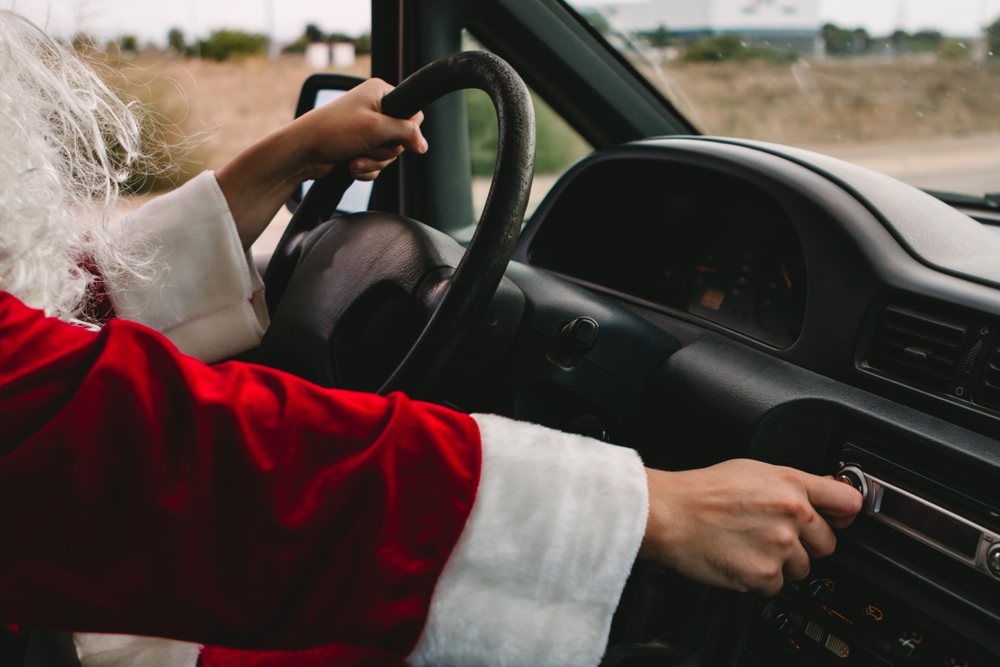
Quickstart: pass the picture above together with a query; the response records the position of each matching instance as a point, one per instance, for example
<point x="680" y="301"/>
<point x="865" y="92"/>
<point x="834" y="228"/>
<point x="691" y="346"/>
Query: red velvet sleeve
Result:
<point x="144" y="492"/>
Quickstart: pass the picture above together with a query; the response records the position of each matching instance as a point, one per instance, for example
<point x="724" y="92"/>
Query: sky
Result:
<point x="151" y="19"/>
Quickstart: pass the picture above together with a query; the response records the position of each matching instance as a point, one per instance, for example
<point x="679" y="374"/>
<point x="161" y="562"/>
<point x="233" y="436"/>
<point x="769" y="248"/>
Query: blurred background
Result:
<point x="907" y="87"/>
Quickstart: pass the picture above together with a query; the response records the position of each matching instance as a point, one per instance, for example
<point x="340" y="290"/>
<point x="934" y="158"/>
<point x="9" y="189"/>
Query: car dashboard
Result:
<point x="661" y="232"/>
<point x="755" y="301"/>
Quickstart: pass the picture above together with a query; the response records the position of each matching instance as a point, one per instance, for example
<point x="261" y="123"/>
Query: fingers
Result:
<point x="816" y="536"/>
<point x="796" y="565"/>
<point x="405" y="133"/>
<point x="364" y="169"/>
<point x="832" y="498"/>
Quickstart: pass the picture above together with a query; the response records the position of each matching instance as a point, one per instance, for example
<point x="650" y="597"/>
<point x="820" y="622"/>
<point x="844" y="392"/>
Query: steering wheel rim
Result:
<point x="461" y="299"/>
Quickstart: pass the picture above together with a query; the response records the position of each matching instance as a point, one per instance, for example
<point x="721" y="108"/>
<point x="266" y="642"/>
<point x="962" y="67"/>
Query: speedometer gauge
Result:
<point x="781" y="301"/>
<point x="722" y="281"/>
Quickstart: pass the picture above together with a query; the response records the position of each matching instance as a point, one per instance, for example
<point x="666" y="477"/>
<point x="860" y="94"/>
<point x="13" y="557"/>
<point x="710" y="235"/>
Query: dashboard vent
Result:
<point x="989" y="389"/>
<point x="921" y="347"/>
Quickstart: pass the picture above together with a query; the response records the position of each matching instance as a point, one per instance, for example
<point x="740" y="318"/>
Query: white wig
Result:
<point x="59" y="180"/>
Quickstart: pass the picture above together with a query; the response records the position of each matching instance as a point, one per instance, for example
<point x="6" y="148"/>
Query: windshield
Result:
<point x="905" y="87"/>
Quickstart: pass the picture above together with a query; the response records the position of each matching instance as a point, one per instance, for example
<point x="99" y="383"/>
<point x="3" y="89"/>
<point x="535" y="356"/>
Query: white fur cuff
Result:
<point x="540" y="566"/>
<point x="102" y="650"/>
<point x="207" y="296"/>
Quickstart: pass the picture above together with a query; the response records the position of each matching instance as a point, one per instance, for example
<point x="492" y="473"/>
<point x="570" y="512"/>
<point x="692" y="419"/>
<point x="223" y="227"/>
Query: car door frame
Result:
<point x="596" y="90"/>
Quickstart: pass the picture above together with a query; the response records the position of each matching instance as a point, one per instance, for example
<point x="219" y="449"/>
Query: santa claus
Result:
<point x="144" y="491"/>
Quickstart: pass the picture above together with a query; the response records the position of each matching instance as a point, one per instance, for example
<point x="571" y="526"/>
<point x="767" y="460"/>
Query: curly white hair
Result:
<point x="59" y="175"/>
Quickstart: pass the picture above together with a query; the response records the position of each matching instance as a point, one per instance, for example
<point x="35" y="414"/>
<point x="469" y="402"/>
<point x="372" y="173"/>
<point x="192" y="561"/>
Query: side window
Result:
<point x="214" y="92"/>
<point x="558" y="146"/>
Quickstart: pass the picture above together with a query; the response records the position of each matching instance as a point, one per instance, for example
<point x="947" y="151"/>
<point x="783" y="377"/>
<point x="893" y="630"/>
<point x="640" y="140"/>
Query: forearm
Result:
<point x="228" y="523"/>
<point x="258" y="181"/>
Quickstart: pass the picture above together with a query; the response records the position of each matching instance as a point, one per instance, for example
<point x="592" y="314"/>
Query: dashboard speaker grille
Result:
<point x="922" y="347"/>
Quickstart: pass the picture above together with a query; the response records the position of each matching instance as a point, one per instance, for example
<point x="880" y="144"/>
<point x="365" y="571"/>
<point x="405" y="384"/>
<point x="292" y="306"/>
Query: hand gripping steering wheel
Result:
<point x="351" y="296"/>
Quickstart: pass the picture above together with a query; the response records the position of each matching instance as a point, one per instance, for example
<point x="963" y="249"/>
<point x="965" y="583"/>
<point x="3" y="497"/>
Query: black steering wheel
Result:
<point x="380" y="302"/>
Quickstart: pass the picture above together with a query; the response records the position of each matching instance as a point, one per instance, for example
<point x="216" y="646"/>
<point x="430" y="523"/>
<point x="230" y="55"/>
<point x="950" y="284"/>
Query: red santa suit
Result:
<point x="143" y="491"/>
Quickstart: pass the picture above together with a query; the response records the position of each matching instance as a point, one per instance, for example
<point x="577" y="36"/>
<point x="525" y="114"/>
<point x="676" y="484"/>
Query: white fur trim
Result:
<point x="103" y="650"/>
<point x="538" y="571"/>
<point x="207" y="297"/>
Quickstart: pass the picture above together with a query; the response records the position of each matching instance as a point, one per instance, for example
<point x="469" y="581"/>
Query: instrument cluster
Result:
<point x="686" y="239"/>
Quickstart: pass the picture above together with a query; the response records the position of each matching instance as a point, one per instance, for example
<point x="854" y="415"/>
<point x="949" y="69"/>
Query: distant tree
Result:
<point x="839" y="42"/>
<point x="175" y="40"/>
<point x="924" y="41"/>
<point x="128" y="43"/>
<point x="82" y="42"/>
<point x="313" y="34"/>
<point x="731" y="47"/>
<point x="862" y="42"/>
<point x="953" y="49"/>
<point x="900" y="41"/>
<point x="363" y="44"/>
<point x="993" y="38"/>
<point x="660" y="37"/>
<point x="225" y="44"/>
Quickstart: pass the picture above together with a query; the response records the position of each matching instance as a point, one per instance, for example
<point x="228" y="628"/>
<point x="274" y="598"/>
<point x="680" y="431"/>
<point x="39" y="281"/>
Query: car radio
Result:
<point x="946" y="531"/>
<point x="845" y="614"/>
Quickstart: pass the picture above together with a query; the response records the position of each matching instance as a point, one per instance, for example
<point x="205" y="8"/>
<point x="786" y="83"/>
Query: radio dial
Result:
<point x="853" y="477"/>
<point x="993" y="559"/>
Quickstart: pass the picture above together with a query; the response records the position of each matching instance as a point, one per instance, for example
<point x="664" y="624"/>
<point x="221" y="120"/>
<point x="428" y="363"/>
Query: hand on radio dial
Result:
<point x="744" y="524"/>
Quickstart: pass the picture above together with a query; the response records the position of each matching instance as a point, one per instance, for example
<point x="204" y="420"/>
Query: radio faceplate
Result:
<point x="926" y="521"/>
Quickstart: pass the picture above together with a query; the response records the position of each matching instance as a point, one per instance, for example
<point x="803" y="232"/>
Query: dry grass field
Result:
<point x="860" y="99"/>
<point x="932" y="122"/>
<point x="844" y="102"/>
<point x="220" y="108"/>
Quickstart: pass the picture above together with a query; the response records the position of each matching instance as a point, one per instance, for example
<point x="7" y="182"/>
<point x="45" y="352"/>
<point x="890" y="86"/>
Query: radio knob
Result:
<point x="993" y="560"/>
<point x="855" y="479"/>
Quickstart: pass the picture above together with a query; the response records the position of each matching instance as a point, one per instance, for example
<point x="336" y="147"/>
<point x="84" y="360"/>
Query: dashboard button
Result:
<point x="819" y="591"/>
<point x="908" y="649"/>
<point x="785" y="625"/>
<point x="578" y="337"/>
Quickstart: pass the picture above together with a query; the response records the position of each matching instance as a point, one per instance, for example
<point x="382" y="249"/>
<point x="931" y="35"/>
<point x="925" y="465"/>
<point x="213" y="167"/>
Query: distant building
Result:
<point x="783" y="24"/>
<point x="339" y="55"/>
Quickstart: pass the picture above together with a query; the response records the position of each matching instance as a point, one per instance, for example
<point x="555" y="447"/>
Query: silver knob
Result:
<point x="993" y="560"/>
<point x="853" y="477"/>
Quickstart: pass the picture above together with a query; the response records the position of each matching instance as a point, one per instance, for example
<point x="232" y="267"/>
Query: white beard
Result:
<point x="58" y="182"/>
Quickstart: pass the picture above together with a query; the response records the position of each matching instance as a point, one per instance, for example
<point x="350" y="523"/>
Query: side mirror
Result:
<point x="320" y="89"/>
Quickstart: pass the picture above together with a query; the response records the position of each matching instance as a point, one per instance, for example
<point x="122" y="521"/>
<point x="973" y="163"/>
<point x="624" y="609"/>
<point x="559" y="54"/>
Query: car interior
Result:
<point x="699" y="299"/>
<point x="695" y="298"/>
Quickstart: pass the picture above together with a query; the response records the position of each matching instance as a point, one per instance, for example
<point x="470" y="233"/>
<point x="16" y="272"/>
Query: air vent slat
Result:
<point x="926" y="327"/>
<point x="919" y="346"/>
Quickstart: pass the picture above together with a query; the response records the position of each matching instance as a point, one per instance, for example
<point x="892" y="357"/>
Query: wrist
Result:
<point x="297" y="144"/>
<point x="257" y="182"/>
<point x="655" y="541"/>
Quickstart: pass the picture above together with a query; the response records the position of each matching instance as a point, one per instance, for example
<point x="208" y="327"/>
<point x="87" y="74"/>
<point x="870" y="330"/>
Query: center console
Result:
<point x="915" y="580"/>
